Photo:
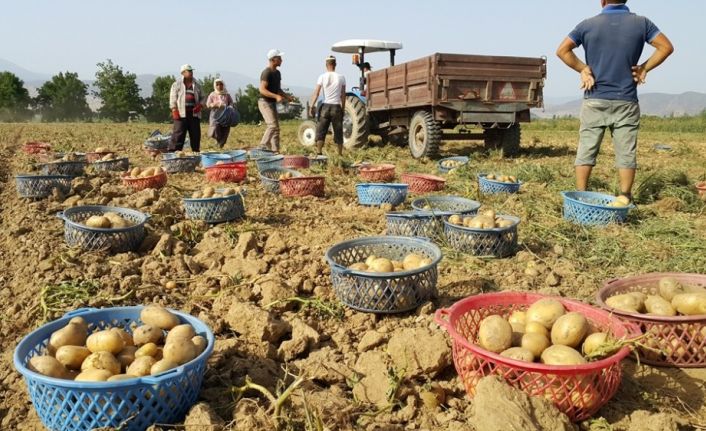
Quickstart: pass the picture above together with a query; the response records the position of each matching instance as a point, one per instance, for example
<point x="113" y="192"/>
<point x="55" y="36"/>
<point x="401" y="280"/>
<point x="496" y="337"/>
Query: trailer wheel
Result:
<point x="307" y="133"/>
<point x="424" y="135"/>
<point x="355" y="123"/>
<point x="506" y="139"/>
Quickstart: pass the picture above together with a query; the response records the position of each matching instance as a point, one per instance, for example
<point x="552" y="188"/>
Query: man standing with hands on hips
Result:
<point x="613" y="42"/>
<point x="185" y="99"/>
<point x="270" y="94"/>
<point x="331" y="112"/>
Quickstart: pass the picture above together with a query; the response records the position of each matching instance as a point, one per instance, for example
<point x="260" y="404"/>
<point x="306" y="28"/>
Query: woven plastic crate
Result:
<point x="496" y="242"/>
<point x="210" y="159"/>
<point x="489" y="187"/>
<point x="446" y="205"/>
<point x="295" y="162"/>
<point x="421" y="224"/>
<point x="130" y="405"/>
<point x="270" y="178"/>
<point x="215" y="210"/>
<point x="377" y="173"/>
<point x="154" y="182"/>
<point x="257" y="153"/>
<point x="381" y="193"/>
<point x="265" y="163"/>
<point x="41" y="186"/>
<point x="591" y="208"/>
<point x="158" y="143"/>
<point x="94" y="156"/>
<point x="36" y="147"/>
<point x="303" y="186"/>
<point x="423" y="183"/>
<point x="386" y="292"/>
<point x="74" y="169"/>
<point x="227" y="173"/>
<point x="238" y="155"/>
<point x="180" y="164"/>
<point x="444" y="170"/>
<point x="117" y="165"/>
<point x="681" y="340"/>
<point x="577" y="390"/>
<point x="117" y="240"/>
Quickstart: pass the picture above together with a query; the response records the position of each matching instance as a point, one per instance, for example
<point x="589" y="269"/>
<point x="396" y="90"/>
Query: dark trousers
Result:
<point x="330" y="115"/>
<point x="189" y="124"/>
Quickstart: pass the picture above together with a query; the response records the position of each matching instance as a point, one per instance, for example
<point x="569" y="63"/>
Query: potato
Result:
<point x="208" y="192"/>
<point x="625" y="302"/>
<point x="141" y="366"/>
<point x="535" y="343"/>
<point x="490" y="176"/>
<point x="201" y="343"/>
<point x="120" y="377"/>
<point x="126" y="356"/>
<point x="135" y="172"/>
<point x="545" y="311"/>
<point x="456" y="219"/>
<point x="690" y="304"/>
<point x="518" y="354"/>
<point x="519" y="317"/>
<point x="180" y="331"/>
<point x="569" y="329"/>
<point x="101" y="150"/>
<point x="93" y="375"/>
<point x="158" y="316"/>
<point x="594" y="341"/>
<point x="369" y="260"/>
<point x="146" y="334"/>
<point x="659" y="306"/>
<point x="106" y="340"/>
<point x="116" y="221"/>
<point x="101" y="361"/>
<point x="97" y="221"/>
<point x="72" y="356"/>
<point x="512" y="178"/>
<point x="504" y="223"/>
<point x="495" y="334"/>
<point x="489" y="213"/>
<point x="179" y="351"/>
<point x="536" y="328"/>
<point x="73" y="334"/>
<point x="197" y="194"/>
<point x="397" y="265"/>
<point x="229" y="191"/>
<point x="359" y="266"/>
<point x="559" y="354"/>
<point x="162" y="366"/>
<point x="127" y="338"/>
<point x="668" y="287"/>
<point x="149" y="349"/>
<point x="147" y="172"/>
<point x="382" y="265"/>
<point x="47" y="366"/>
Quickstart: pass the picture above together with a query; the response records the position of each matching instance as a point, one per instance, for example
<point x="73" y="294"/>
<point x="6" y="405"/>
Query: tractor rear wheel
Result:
<point x="355" y="123"/>
<point x="424" y="135"/>
<point x="307" y="133"/>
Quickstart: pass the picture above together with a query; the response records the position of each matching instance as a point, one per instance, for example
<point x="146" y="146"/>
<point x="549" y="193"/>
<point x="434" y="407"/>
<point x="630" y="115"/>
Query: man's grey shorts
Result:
<point x="622" y="118"/>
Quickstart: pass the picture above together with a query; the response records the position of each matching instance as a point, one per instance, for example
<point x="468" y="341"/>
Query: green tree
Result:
<point x="157" y="105"/>
<point x="63" y="98"/>
<point x="118" y="91"/>
<point x="14" y="98"/>
<point x="206" y="84"/>
<point x="246" y="102"/>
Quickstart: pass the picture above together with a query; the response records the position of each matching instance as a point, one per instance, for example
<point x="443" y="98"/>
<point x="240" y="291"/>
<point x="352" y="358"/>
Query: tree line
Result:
<point x="63" y="98"/>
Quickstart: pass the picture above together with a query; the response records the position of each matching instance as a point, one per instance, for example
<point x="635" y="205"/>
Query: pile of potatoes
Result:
<point x="210" y="192"/>
<point x="451" y="164"/>
<point x="101" y="150"/>
<point x="620" y="202"/>
<point x="113" y="354"/>
<point x="68" y="157"/>
<point x="381" y="264"/>
<point x="485" y="220"/>
<point x="181" y="154"/>
<point x="138" y="172"/>
<point x="108" y="157"/>
<point x="501" y="178"/>
<point x="672" y="299"/>
<point x="545" y="332"/>
<point x="285" y="176"/>
<point x="108" y="220"/>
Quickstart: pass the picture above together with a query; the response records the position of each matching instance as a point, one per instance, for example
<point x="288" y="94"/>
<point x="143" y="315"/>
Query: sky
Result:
<point x="157" y="36"/>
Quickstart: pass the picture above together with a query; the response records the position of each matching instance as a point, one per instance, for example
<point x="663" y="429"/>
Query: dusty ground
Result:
<point x="357" y="367"/>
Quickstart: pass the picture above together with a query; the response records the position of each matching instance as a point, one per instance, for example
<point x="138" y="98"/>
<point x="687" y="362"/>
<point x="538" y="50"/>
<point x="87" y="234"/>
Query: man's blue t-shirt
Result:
<point x="613" y="42"/>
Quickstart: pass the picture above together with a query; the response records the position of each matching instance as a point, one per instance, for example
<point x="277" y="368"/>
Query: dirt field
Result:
<point x="357" y="368"/>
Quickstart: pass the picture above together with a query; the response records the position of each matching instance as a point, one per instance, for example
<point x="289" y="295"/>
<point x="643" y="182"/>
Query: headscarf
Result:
<point x="215" y="88"/>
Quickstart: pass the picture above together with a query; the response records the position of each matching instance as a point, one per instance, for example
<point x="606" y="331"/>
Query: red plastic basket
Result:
<point x="154" y="182"/>
<point x="579" y="390"/>
<point x="423" y="183"/>
<point x="227" y="172"/>
<point x="681" y="339"/>
<point x="377" y="173"/>
<point x="36" y="147"/>
<point x="295" y="162"/>
<point x="302" y="186"/>
<point x="95" y="156"/>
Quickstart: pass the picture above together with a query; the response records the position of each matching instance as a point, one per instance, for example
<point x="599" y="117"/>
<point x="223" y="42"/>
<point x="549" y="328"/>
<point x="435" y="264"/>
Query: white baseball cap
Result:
<point x="186" y="67"/>
<point x="274" y="53"/>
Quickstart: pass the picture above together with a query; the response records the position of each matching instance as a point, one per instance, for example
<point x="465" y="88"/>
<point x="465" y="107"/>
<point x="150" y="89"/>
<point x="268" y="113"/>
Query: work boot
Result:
<point x="319" y="148"/>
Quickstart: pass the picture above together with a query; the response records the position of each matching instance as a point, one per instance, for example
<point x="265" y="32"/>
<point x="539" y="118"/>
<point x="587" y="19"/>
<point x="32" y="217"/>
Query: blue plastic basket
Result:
<point x="442" y="170"/>
<point x="238" y="155"/>
<point x="497" y="242"/>
<point x="215" y="210"/>
<point x="381" y="193"/>
<point x="41" y="186"/>
<point x="488" y="187"/>
<point x="135" y="404"/>
<point x="74" y="169"/>
<point x="446" y="205"/>
<point x="210" y="159"/>
<point x="591" y="208"/>
<point x="117" y="240"/>
<point x="118" y="165"/>
<point x="270" y="178"/>
<point x="158" y="142"/>
<point x="173" y="164"/>
<point x="257" y="153"/>
<point x="385" y="292"/>
<point x="422" y="224"/>
<point x="265" y="163"/>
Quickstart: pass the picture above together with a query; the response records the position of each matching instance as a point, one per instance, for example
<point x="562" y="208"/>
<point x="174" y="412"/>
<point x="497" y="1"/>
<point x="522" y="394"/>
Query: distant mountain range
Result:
<point x="659" y="104"/>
